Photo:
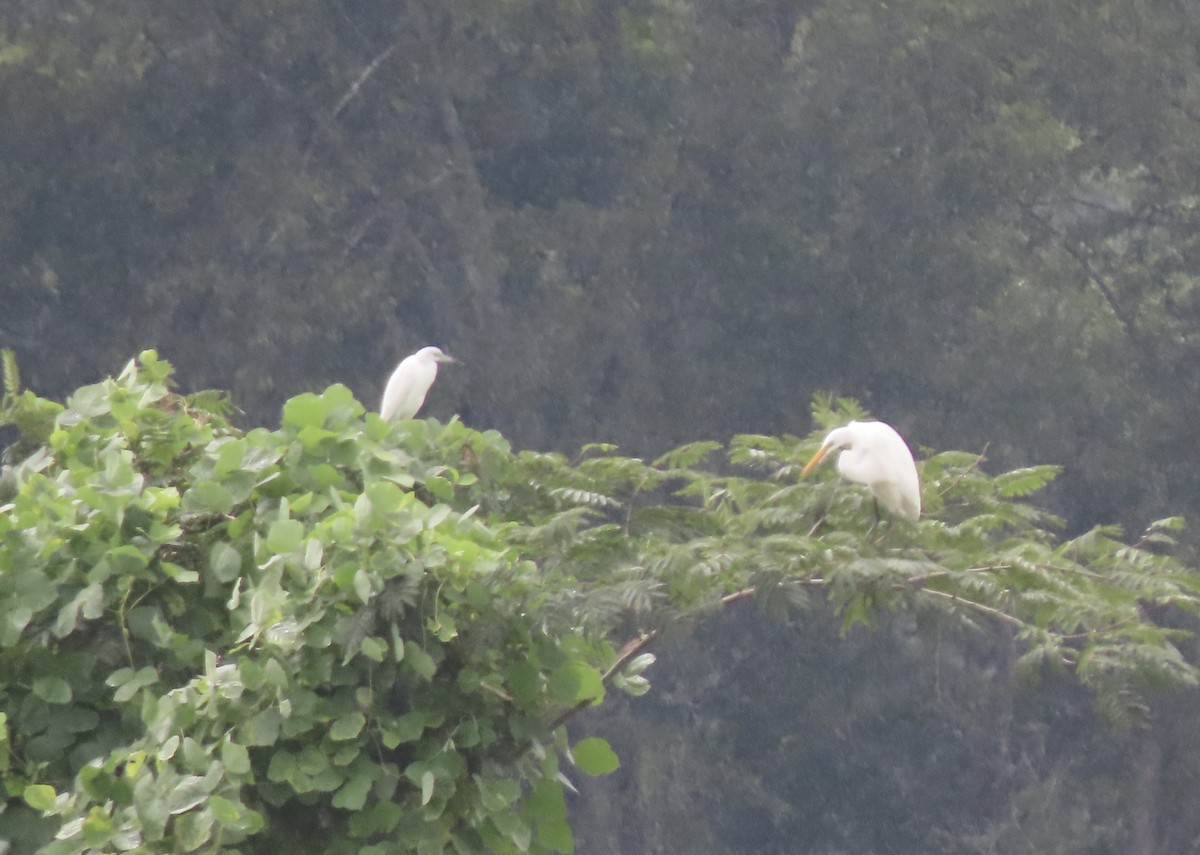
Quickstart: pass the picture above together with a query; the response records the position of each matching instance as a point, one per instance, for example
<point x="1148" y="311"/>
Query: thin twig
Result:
<point x="1110" y="298"/>
<point x="629" y="650"/>
<point x="121" y="613"/>
<point x="362" y="78"/>
<point x="738" y="595"/>
<point x="500" y="693"/>
<point x="974" y="465"/>
<point x="1083" y="636"/>
<point x="937" y="574"/>
<point x="999" y="615"/>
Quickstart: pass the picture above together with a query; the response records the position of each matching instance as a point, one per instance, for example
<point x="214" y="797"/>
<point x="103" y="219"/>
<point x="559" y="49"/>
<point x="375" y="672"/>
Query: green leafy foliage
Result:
<point x="370" y="634"/>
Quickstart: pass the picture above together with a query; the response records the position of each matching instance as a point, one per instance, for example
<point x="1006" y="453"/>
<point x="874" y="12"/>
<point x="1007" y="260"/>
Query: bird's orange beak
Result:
<point x="816" y="458"/>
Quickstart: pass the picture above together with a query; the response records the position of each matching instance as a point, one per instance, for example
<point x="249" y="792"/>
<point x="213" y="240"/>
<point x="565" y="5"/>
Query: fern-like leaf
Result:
<point x="687" y="456"/>
<point x="1022" y="482"/>
<point x="12" y="377"/>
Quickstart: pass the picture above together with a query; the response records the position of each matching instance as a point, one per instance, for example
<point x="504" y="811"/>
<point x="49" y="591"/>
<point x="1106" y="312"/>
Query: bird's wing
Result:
<point x="897" y="498"/>
<point x="397" y="392"/>
<point x="902" y="478"/>
<point x="889" y="470"/>
<point x="406" y="391"/>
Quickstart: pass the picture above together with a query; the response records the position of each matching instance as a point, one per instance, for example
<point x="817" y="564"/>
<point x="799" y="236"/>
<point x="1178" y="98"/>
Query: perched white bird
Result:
<point x="410" y="382"/>
<point x="872" y="453"/>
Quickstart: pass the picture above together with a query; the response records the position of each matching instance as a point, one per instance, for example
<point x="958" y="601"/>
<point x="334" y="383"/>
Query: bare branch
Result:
<point x="498" y="692"/>
<point x="629" y="650"/>
<point x="362" y="78"/>
<point x="1110" y="298"/>
<point x="1003" y="617"/>
<point x="937" y="574"/>
<point x="738" y="595"/>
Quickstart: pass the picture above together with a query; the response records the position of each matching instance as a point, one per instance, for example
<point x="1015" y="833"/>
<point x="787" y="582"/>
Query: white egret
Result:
<point x="872" y="453"/>
<point x="410" y="382"/>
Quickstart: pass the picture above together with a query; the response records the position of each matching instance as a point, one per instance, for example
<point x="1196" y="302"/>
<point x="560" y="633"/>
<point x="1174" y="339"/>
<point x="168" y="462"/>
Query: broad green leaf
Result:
<point x="235" y="757"/>
<point x="208" y="497"/>
<point x="224" y="562"/>
<point x="575" y="682"/>
<point x="167" y="750"/>
<point x="497" y="794"/>
<point x="262" y="728"/>
<point x="98" y="828"/>
<point x="285" y="536"/>
<point x="282" y="766"/>
<point x="306" y="410"/>
<point x="374" y="649"/>
<point x="427" y="782"/>
<point x="406" y="728"/>
<point x="193" y="829"/>
<point x="512" y="826"/>
<point x="523" y="682"/>
<point x="347" y="727"/>
<point x="594" y="756"/>
<point x="126" y="559"/>
<point x="187" y="793"/>
<point x="226" y="812"/>
<point x="353" y="794"/>
<point x="421" y="662"/>
<point x="546" y="802"/>
<point x="556" y="835"/>
<point x="40" y="796"/>
<point x="52" y="690"/>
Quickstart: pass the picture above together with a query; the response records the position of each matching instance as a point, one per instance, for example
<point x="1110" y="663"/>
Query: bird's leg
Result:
<point x="878" y="518"/>
<point x="885" y="524"/>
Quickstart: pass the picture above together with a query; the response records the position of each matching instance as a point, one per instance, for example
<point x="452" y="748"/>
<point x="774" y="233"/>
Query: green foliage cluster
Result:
<point x="209" y="630"/>
<point x="346" y="635"/>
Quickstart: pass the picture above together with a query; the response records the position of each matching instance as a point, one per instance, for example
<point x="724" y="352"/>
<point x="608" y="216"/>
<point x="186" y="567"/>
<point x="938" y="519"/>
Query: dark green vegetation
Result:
<point x="350" y="636"/>
<point x="650" y="223"/>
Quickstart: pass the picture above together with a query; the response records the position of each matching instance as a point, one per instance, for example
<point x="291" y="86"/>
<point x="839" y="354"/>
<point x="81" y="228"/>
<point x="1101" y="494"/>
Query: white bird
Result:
<point x="410" y="382"/>
<point x="872" y="453"/>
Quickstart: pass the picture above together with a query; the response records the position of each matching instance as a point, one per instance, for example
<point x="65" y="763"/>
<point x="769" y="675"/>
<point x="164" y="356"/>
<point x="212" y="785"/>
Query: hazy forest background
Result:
<point x="653" y="221"/>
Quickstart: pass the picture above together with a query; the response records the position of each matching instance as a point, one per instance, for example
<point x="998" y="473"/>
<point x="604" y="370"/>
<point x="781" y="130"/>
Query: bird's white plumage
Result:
<point x="409" y="384"/>
<point x="873" y="454"/>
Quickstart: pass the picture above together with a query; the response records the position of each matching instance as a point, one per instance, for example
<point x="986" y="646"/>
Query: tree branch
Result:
<point x="1110" y="298"/>
<point x="362" y="78"/>
<point x="1003" y="617"/>
<point x="629" y="650"/>
<point x="937" y="574"/>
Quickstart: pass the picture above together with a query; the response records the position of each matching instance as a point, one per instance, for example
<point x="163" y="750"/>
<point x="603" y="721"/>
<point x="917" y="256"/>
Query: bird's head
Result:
<point x="434" y="354"/>
<point x="838" y="438"/>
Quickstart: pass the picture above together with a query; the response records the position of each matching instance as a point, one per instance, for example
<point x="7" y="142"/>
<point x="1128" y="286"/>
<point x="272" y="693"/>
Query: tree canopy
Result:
<point x="349" y="635"/>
